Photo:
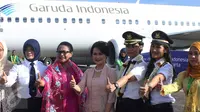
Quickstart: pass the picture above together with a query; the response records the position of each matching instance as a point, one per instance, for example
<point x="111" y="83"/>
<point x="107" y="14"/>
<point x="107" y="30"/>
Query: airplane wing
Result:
<point x="183" y="40"/>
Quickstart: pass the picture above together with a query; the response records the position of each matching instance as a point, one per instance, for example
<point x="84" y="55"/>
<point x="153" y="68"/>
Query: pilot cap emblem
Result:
<point x="157" y="35"/>
<point x="129" y="37"/>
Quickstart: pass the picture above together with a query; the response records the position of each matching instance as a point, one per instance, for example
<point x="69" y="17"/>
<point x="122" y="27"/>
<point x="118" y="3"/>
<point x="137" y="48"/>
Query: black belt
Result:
<point x="162" y="104"/>
<point x="140" y="99"/>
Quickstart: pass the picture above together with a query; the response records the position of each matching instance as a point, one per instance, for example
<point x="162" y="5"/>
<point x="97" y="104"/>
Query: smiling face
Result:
<point x="63" y="53"/>
<point x="133" y="50"/>
<point x="157" y="51"/>
<point x="98" y="57"/>
<point x="194" y="56"/>
<point x="29" y="53"/>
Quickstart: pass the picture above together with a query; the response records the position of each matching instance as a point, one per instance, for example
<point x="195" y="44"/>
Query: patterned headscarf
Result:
<point x="194" y="71"/>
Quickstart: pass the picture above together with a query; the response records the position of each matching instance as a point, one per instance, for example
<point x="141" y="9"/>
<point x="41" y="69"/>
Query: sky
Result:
<point x="162" y="2"/>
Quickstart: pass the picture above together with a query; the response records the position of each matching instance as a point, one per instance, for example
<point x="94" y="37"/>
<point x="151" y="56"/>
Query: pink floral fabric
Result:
<point x="58" y="96"/>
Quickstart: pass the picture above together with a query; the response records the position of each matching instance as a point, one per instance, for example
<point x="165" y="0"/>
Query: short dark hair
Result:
<point x="69" y="45"/>
<point x="102" y="46"/>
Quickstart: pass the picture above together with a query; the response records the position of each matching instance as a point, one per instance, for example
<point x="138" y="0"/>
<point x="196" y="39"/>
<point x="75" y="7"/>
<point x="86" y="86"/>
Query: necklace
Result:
<point x="97" y="70"/>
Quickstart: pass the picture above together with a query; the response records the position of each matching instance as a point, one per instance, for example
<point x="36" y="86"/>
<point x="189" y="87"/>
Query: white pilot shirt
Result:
<point x="167" y="71"/>
<point x="21" y="75"/>
<point x="132" y="88"/>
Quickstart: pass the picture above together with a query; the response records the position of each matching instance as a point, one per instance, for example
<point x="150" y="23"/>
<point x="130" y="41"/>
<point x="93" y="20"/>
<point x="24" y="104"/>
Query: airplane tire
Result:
<point x="48" y="61"/>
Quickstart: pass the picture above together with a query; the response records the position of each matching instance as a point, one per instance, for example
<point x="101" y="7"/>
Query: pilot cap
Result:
<point x="161" y="37"/>
<point x="132" y="38"/>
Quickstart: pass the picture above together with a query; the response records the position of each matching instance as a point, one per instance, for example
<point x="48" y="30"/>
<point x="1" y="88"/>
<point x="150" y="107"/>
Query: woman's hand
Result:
<point x="73" y="82"/>
<point x="144" y="91"/>
<point x="3" y="79"/>
<point x="39" y="82"/>
<point x="110" y="87"/>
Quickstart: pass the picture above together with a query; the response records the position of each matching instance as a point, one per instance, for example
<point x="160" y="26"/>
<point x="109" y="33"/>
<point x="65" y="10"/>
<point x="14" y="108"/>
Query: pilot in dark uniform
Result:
<point x="128" y="84"/>
<point x="159" y="70"/>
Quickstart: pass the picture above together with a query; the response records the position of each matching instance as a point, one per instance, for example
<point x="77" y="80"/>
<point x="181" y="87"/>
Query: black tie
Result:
<point x="129" y="63"/>
<point x="32" y="88"/>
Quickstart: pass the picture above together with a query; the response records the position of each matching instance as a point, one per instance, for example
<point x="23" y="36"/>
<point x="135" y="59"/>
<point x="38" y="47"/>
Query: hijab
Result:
<point x="4" y="57"/>
<point x="36" y="49"/>
<point x="123" y="59"/>
<point x="194" y="71"/>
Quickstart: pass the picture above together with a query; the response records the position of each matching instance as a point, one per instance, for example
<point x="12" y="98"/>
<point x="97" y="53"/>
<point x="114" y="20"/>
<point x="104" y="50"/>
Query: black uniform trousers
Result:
<point x="130" y="105"/>
<point x="33" y="105"/>
<point x="163" y="107"/>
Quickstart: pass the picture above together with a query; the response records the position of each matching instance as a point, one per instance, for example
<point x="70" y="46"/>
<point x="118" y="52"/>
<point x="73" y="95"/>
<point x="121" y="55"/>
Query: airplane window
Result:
<point x="117" y="21"/>
<point x="130" y="21"/>
<point x="198" y="23"/>
<point x="169" y="22"/>
<point x="88" y="20"/>
<point x="16" y="19"/>
<point x="103" y="21"/>
<point x="80" y="20"/>
<point x="32" y="20"/>
<point x="64" y="20"/>
<point x="1" y="19"/>
<point x="188" y="24"/>
<point x="176" y="23"/>
<point x="136" y="22"/>
<point x="148" y="22"/>
<point x="24" y="19"/>
<point x="48" y="20"/>
<point x="193" y="23"/>
<point x="124" y="21"/>
<point x="40" y="20"/>
<point x="73" y="20"/>
<point x="156" y="22"/>
<point x="163" y="22"/>
<point x="182" y="23"/>
<point x="56" y="20"/>
<point x="9" y="19"/>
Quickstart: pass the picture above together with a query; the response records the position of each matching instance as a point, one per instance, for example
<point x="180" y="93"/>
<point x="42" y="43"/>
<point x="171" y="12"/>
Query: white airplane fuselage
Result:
<point x="83" y="23"/>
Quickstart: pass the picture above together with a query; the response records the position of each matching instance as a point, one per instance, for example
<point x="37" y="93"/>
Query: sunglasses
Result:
<point x="64" y="52"/>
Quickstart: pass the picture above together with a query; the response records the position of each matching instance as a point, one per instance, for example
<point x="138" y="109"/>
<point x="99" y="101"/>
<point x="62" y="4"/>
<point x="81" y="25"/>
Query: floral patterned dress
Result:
<point x="58" y="96"/>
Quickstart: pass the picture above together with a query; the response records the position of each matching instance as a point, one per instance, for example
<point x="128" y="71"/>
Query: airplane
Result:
<point x="83" y="23"/>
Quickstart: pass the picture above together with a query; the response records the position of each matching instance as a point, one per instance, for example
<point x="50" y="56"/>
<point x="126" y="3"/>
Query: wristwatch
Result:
<point x="116" y="85"/>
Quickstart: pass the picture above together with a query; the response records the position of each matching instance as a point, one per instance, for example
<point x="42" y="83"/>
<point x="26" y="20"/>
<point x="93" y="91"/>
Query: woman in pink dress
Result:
<point x="58" y="96"/>
<point x="95" y="80"/>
